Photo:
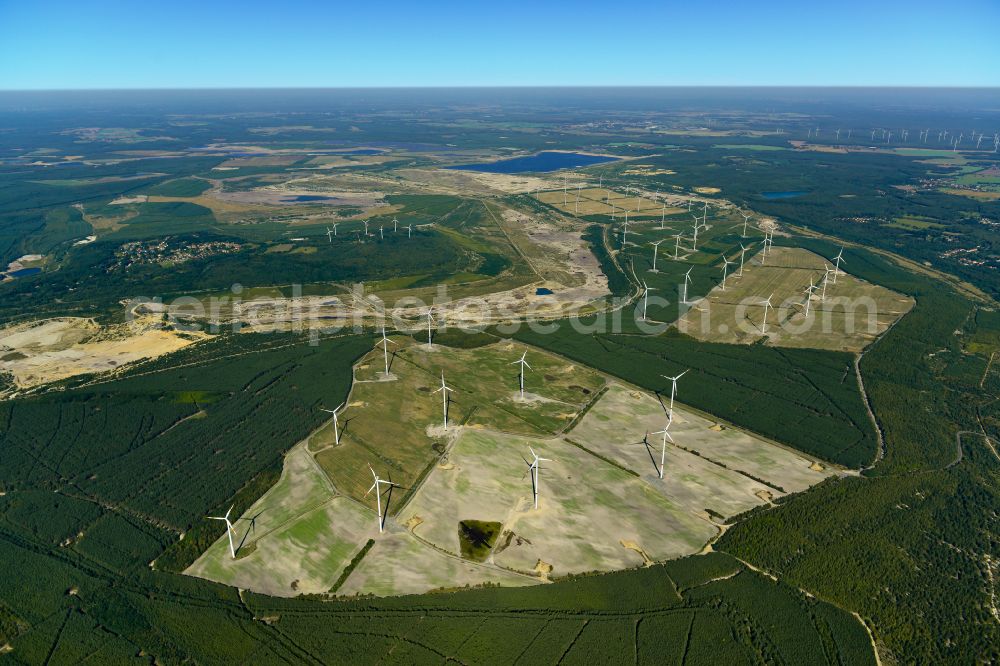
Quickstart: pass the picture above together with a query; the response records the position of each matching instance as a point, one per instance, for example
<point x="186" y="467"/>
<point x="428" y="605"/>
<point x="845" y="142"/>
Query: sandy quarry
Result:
<point x="48" y="350"/>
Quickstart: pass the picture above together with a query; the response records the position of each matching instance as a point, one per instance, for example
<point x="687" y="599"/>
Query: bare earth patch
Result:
<point x="40" y="352"/>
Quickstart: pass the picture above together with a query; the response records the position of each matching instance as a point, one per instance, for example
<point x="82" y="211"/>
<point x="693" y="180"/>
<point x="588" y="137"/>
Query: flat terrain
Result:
<point x="602" y="505"/>
<point x="48" y="350"/>
<point x="296" y="539"/>
<point x="396" y="424"/>
<point x="600" y="201"/>
<point x="853" y="313"/>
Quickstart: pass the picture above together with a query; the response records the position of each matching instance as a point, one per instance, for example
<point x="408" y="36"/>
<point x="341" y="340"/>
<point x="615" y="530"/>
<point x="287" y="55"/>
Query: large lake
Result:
<point x="546" y="161"/>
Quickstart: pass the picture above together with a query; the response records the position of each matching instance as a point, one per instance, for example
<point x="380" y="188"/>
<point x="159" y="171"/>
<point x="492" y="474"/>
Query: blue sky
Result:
<point x="59" y="44"/>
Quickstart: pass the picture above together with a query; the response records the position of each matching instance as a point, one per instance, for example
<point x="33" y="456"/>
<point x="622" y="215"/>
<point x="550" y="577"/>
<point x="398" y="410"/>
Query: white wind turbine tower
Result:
<point x="725" y="271"/>
<point x="677" y="246"/>
<point x="624" y="230"/>
<point x="381" y="232"/>
<point x="687" y="279"/>
<point x="336" y="424"/>
<point x="330" y="233"/>
<point x="385" y="350"/>
<point x="229" y="530"/>
<point x="663" y="447"/>
<point x="656" y="249"/>
<point x="444" y="391"/>
<point x="395" y="225"/>
<point x="767" y="306"/>
<point x="826" y="280"/>
<point x="520" y="376"/>
<point x="673" y="391"/>
<point x="743" y="251"/>
<point x="409" y="231"/>
<point x="809" y="292"/>
<point x="839" y="258"/>
<point x="645" y="298"/>
<point x="663" y="215"/>
<point x="694" y="236"/>
<point x="746" y="218"/>
<point x="377" y="487"/>
<point x="533" y="467"/>
<point x="366" y="227"/>
<point x="430" y="320"/>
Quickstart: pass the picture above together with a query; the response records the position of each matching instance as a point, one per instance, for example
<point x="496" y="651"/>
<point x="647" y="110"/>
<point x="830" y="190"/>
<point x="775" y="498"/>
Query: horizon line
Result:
<point x="645" y="86"/>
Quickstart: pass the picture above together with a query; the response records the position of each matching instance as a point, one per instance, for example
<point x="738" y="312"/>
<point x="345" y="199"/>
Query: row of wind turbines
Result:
<point x="885" y="136"/>
<point x="331" y="232"/>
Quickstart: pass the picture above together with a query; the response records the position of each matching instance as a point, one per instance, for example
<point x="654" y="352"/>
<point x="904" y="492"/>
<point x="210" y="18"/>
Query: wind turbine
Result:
<point x="694" y="237"/>
<point x="385" y="350"/>
<point x="524" y="364"/>
<point x="533" y="467"/>
<point x="746" y="218"/>
<point x="366" y="227"/>
<point x="624" y="230"/>
<point x="743" y="251"/>
<point x="663" y="215"/>
<point x="656" y="248"/>
<point x="687" y="279"/>
<point x="409" y="231"/>
<point x="444" y="391"/>
<point x="229" y="530"/>
<point x="430" y="320"/>
<point x="645" y="297"/>
<point x="330" y="233"/>
<point x="663" y="447"/>
<point x="725" y="270"/>
<point x="826" y="279"/>
<point x="395" y="225"/>
<point x="767" y="306"/>
<point x="673" y="391"/>
<point x="336" y="425"/>
<point x="381" y="232"/>
<point x="809" y="292"/>
<point x="839" y="258"/>
<point x="378" y="495"/>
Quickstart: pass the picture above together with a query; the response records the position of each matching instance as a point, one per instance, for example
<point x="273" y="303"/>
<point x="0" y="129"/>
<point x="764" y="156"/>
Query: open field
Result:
<point x="852" y="315"/>
<point x="602" y="505"/>
<point x="400" y="564"/>
<point x="595" y="201"/>
<point x="296" y="539"/>
<point x="396" y="424"/>
<point x="592" y="515"/>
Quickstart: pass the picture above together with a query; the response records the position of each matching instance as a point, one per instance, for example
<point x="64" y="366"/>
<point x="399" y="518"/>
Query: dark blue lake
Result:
<point x="542" y="162"/>
<point x="308" y="197"/>
<point x="542" y="291"/>
<point x="783" y="195"/>
<point x="24" y="272"/>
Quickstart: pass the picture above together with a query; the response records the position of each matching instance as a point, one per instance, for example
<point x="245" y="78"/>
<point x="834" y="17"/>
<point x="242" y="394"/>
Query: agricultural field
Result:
<point x="846" y="314"/>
